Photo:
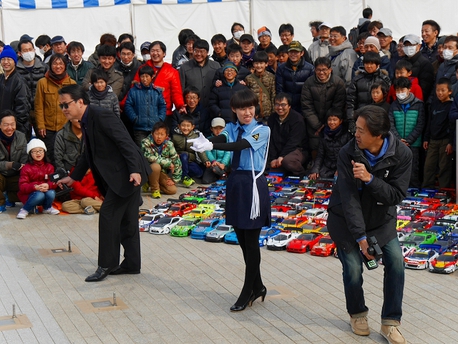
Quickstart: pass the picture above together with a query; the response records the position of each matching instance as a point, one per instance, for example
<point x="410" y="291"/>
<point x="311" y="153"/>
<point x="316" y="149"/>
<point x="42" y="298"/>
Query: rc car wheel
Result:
<point x="264" y="242"/>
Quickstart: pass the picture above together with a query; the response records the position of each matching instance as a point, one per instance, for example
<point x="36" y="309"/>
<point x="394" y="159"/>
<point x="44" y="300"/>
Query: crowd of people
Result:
<point x="308" y="98"/>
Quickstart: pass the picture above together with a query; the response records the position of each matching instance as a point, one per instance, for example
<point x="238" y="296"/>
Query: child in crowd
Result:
<point x="379" y="92"/>
<point x="35" y="188"/>
<point x="335" y="136"/>
<point x="101" y="94"/>
<point x="163" y="158"/>
<point x="85" y="197"/>
<point x="234" y="55"/>
<point x="220" y="97"/>
<point x="359" y="91"/>
<point x="191" y="95"/>
<point x="403" y="68"/>
<point x="262" y="83"/>
<point x="272" y="63"/>
<point x="282" y="54"/>
<point x="190" y="161"/>
<point x="219" y="159"/>
<point x="145" y="105"/>
<point x="407" y="118"/>
<point x="438" y="140"/>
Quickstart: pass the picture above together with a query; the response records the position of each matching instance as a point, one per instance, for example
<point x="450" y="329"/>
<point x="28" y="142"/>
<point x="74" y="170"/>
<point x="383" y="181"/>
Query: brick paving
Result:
<point x="185" y="290"/>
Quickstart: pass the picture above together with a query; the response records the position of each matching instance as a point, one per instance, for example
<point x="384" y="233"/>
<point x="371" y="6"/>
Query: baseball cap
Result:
<point x="25" y="37"/>
<point x="325" y="24"/>
<point x="413" y="39"/>
<point x="218" y="122"/>
<point x="295" y="45"/>
<point x="145" y="45"/>
<point x="385" y="31"/>
<point x="57" y="39"/>
<point x="247" y="36"/>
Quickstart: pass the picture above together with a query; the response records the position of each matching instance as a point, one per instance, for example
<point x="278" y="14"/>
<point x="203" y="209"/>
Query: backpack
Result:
<point x="353" y="36"/>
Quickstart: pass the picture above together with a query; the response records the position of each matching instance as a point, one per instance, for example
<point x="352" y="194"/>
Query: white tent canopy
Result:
<point x="147" y="20"/>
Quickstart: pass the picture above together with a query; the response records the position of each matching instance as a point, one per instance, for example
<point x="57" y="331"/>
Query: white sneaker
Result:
<point x="22" y="214"/>
<point x="51" y="211"/>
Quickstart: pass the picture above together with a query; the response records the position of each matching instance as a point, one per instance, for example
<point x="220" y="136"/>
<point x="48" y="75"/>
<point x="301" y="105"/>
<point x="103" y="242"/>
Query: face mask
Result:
<point x="146" y="57"/>
<point x="28" y="56"/>
<point x="410" y="51"/>
<point x="42" y="51"/>
<point x="401" y="96"/>
<point x="238" y="34"/>
<point x="448" y="54"/>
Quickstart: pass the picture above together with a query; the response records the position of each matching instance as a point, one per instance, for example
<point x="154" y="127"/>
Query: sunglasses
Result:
<point x="65" y="105"/>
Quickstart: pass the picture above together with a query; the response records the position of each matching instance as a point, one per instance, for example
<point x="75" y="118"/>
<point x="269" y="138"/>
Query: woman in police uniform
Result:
<point x="247" y="194"/>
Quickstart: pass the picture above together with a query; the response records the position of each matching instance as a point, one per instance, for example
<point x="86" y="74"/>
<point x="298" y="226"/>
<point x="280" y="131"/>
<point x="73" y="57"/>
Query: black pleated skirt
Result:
<point x="239" y="193"/>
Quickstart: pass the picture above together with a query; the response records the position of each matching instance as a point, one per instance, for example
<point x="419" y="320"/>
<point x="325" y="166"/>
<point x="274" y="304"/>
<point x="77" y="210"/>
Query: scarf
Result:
<point x="332" y="133"/>
<point x="408" y="100"/>
<point x="7" y="141"/>
<point x="97" y="94"/>
<point x="57" y="78"/>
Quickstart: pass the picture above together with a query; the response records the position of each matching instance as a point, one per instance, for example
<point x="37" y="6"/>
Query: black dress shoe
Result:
<point x="119" y="270"/>
<point x="99" y="274"/>
<point x="262" y="294"/>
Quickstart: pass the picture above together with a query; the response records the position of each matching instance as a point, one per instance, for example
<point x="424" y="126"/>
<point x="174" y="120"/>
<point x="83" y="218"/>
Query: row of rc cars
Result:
<point x="425" y="217"/>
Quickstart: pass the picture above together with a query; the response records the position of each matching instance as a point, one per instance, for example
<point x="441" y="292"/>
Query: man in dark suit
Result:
<point x="119" y="170"/>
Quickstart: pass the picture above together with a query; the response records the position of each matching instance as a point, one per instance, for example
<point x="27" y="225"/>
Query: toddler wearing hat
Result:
<point x="35" y="186"/>
<point x="219" y="159"/>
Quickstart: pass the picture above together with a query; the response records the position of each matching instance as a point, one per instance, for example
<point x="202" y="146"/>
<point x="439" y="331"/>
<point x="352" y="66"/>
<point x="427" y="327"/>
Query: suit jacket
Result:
<point x="112" y="154"/>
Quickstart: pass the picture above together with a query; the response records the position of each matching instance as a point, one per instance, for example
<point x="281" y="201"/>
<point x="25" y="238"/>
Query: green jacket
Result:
<point x="408" y="122"/>
<point x="165" y="155"/>
<point x="181" y="145"/>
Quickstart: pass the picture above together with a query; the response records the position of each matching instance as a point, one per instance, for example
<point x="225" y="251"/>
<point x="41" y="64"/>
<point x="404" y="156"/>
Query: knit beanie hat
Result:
<point x="229" y="64"/>
<point x="9" y="52"/>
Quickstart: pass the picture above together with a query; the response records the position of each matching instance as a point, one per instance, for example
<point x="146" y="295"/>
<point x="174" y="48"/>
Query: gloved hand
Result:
<point x="201" y="144"/>
<point x="16" y="165"/>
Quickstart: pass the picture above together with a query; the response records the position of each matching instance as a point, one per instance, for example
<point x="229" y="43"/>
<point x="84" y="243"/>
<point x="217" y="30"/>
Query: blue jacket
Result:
<point x="145" y="106"/>
<point x="291" y="81"/>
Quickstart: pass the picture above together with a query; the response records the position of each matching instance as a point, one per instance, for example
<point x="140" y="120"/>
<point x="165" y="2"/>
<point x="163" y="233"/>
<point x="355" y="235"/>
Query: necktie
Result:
<point x="236" y="154"/>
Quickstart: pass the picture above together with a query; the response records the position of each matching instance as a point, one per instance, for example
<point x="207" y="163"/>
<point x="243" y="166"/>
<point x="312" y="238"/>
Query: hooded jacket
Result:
<point x="145" y="106"/>
<point x="343" y="58"/>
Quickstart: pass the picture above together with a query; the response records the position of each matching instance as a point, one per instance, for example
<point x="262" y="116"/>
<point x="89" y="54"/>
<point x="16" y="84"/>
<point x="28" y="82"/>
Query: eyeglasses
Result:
<point x="282" y="105"/>
<point x="321" y="70"/>
<point x="65" y="105"/>
<point x="285" y="35"/>
<point x="37" y="151"/>
<point x="192" y="97"/>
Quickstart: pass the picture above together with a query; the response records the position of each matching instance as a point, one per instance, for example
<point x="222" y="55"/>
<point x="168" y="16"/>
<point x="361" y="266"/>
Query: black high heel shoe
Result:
<point x="262" y="293"/>
<point x="238" y="308"/>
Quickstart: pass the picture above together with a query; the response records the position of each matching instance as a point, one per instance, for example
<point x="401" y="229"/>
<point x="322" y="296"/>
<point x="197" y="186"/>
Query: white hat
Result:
<point x="325" y="24"/>
<point x="218" y="122"/>
<point x="35" y="143"/>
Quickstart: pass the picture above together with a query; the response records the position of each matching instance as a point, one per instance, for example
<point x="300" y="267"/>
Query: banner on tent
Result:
<point x="51" y="4"/>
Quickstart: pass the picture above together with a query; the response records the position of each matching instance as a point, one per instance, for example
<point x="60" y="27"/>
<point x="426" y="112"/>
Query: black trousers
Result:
<point x="118" y="225"/>
<point x="249" y="243"/>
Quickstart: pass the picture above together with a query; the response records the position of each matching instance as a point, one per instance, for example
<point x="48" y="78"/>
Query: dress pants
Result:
<point x="118" y="225"/>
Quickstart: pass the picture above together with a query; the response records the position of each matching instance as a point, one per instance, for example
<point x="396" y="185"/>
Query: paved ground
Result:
<point x="185" y="290"/>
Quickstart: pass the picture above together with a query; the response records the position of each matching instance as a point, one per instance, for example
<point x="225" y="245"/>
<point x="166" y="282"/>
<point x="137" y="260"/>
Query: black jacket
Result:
<point x="111" y="154"/>
<point x="32" y="75"/>
<point x="359" y="91"/>
<point x="14" y="95"/>
<point x="291" y="81"/>
<point x="287" y="136"/>
<point x="439" y="126"/>
<point x="326" y="159"/>
<point x="317" y="98"/>
<point x="370" y="211"/>
<point x="424" y="71"/>
<point x="220" y="99"/>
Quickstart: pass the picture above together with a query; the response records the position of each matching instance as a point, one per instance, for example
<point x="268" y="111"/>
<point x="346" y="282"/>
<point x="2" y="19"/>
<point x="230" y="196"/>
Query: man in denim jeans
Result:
<point x="373" y="177"/>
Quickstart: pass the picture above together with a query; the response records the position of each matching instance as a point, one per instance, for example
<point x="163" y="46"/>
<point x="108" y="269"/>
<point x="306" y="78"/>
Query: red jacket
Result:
<point x="415" y="90"/>
<point x="85" y="188"/>
<point x="34" y="173"/>
<point x="167" y="80"/>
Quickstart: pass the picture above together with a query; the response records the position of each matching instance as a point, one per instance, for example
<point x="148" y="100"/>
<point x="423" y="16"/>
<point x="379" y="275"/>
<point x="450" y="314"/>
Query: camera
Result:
<point x="62" y="194"/>
<point x="374" y="248"/>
